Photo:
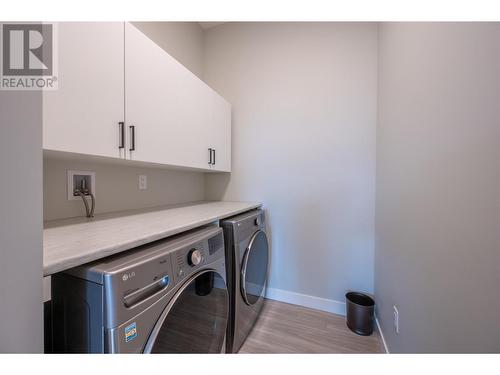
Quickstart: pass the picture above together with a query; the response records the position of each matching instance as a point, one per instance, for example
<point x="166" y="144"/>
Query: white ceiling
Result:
<point x="208" y="25"/>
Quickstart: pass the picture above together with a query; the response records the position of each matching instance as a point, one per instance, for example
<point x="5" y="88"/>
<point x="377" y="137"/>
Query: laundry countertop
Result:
<point x="72" y="242"/>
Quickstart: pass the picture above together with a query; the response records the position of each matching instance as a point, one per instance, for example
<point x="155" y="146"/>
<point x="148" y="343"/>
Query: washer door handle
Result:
<point x="244" y="276"/>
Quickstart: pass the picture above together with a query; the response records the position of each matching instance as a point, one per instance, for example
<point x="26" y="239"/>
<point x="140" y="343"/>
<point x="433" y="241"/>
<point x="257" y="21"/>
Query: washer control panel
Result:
<point x="194" y="257"/>
<point x="188" y="260"/>
<point x="136" y="279"/>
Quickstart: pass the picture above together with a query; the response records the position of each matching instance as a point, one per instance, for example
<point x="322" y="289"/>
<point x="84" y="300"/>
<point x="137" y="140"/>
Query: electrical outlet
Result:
<point x="143" y="182"/>
<point x="396" y="319"/>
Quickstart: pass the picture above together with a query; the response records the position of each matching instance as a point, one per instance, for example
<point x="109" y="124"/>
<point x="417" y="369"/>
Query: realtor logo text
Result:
<point x="28" y="57"/>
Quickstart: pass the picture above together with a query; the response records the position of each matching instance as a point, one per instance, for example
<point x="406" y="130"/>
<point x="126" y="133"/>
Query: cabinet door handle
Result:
<point x="121" y="134"/>
<point x="210" y="156"/>
<point x="132" y="138"/>
<point x="213" y="159"/>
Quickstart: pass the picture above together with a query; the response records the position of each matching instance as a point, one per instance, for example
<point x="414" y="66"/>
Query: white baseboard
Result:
<point x="318" y="303"/>
<point x="382" y="335"/>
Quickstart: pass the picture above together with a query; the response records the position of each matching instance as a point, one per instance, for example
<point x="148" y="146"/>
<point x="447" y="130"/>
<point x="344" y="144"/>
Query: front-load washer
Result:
<point x="247" y="255"/>
<point x="169" y="296"/>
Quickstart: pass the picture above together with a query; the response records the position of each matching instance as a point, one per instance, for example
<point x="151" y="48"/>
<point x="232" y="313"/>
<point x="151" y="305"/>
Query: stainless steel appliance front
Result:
<point x="166" y="297"/>
<point x="247" y="255"/>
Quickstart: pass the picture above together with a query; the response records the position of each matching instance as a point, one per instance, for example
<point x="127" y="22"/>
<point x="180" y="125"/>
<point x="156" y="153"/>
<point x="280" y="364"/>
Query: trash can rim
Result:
<point x="360" y="299"/>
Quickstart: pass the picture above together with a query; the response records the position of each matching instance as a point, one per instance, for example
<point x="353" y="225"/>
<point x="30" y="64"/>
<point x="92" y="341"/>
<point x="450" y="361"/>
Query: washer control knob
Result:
<point x="258" y="221"/>
<point x="194" y="257"/>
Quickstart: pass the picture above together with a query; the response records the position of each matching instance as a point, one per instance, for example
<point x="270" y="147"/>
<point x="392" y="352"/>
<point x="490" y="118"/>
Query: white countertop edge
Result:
<point x="52" y="267"/>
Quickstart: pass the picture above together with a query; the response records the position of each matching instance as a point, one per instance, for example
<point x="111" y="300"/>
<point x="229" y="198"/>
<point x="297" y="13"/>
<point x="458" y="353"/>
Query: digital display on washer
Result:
<point x="214" y="244"/>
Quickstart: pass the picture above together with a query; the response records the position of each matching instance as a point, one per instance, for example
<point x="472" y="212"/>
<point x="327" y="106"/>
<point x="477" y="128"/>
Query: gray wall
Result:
<point x="438" y="187"/>
<point x="117" y="186"/>
<point x="21" y="308"/>
<point x="304" y="115"/>
<point x="182" y="40"/>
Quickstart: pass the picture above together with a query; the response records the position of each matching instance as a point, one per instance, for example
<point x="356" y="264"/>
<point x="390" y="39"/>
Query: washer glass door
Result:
<point x="254" y="268"/>
<point x="195" y="320"/>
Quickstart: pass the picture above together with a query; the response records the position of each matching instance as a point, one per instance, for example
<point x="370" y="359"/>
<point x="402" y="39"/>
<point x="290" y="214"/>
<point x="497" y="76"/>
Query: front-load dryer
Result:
<point x="169" y="296"/>
<point x="247" y="255"/>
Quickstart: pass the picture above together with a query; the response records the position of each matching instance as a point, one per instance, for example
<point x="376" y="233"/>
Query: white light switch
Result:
<point x="143" y="182"/>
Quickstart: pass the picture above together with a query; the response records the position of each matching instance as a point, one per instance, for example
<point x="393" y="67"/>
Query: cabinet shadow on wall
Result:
<point x="216" y="185"/>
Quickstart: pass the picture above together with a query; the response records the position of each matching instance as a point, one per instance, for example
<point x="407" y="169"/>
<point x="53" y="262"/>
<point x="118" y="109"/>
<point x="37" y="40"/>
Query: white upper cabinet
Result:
<point x="156" y="103"/>
<point x="220" y="132"/>
<point x="112" y="74"/>
<point x="176" y="117"/>
<point x="83" y="115"/>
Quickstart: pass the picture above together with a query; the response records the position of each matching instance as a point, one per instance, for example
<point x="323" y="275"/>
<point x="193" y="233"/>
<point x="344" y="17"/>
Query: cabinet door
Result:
<point x="196" y="111"/>
<point x="220" y="132"/>
<point x="162" y="103"/>
<point x="216" y="127"/>
<point x="83" y="115"/>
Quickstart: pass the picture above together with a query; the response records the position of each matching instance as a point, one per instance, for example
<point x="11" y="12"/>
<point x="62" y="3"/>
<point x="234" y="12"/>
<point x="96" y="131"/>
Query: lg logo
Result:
<point x="28" y="56"/>
<point x="127" y="276"/>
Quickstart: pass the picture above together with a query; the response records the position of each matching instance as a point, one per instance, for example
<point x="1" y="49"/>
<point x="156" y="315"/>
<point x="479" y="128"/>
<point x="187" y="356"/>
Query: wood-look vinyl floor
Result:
<point x="285" y="328"/>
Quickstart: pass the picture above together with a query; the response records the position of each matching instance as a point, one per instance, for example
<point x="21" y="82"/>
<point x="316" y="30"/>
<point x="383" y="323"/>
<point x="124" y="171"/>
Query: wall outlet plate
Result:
<point x="73" y="176"/>
<point x="143" y="182"/>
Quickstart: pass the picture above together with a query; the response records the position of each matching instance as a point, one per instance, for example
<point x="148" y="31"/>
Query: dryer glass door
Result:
<point x="195" y="320"/>
<point x="254" y="268"/>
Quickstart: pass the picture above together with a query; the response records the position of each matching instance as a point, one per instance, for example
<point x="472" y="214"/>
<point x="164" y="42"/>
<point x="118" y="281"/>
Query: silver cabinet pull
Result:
<point x="121" y="134"/>
<point x="132" y="138"/>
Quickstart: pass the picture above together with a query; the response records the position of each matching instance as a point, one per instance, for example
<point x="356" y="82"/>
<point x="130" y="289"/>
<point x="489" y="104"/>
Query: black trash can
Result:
<point x="360" y="313"/>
